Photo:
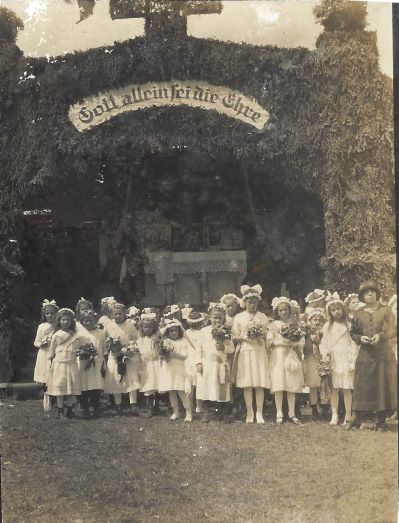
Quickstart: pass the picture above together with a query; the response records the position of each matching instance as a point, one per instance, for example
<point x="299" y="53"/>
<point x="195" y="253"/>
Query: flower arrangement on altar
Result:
<point x="88" y="352"/>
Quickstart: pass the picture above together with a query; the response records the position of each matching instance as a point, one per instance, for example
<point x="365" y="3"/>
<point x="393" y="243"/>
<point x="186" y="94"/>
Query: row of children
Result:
<point x="335" y="345"/>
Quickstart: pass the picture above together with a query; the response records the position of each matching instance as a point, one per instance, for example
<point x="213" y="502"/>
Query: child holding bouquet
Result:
<point x="83" y="306"/>
<point x="285" y="338"/>
<point x="123" y="366"/>
<point x="91" y="364"/>
<point x="150" y="364"/>
<point x="193" y="335"/>
<point x="214" y="345"/>
<point x="338" y="345"/>
<point x="233" y="307"/>
<point x="42" y="341"/>
<point x="311" y="353"/>
<point x="251" y="364"/>
<point x="64" y="379"/>
<point x="172" y="349"/>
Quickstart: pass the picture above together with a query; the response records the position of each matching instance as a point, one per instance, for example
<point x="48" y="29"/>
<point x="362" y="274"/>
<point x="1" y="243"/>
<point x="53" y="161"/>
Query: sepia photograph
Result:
<point x="198" y="292"/>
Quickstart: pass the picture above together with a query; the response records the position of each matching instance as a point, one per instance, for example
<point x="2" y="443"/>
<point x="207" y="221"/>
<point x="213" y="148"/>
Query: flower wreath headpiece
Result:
<point x="168" y="324"/>
<point x="108" y="300"/>
<point x="48" y="303"/>
<point x="185" y="311"/>
<point x="278" y="301"/>
<point x="148" y="314"/>
<point x="294" y="304"/>
<point x="231" y="296"/>
<point x="349" y="297"/>
<point x="133" y="311"/>
<point x="116" y="305"/>
<point x="195" y="317"/>
<point x="172" y="310"/>
<point x="316" y="312"/>
<point x="66" y="312"/>
<point x="216" y="305"/>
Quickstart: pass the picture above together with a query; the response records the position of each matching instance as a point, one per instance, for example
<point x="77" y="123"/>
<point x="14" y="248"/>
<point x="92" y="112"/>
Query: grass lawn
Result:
<point x="137" y="470"/>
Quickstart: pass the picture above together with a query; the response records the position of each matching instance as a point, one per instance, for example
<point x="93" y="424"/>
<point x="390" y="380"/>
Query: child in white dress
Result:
<point x="42" y="341"/>
<point x="251" y="364"/>
<point x="214" y="346"/>
<point x="123" y="370"/>
<point x="92" y="371"/>
<point x="150" y="364"/>
<point x="64" y="378"/>
<point x="193" y="335"/>
<point x="338" y="344"/>
<point x="173" y="352"/>
<point x="286" y="374"/>
<point x="351" y="304"/>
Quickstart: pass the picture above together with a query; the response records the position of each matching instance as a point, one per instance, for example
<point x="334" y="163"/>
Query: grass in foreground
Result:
<point x="137" y="470"/>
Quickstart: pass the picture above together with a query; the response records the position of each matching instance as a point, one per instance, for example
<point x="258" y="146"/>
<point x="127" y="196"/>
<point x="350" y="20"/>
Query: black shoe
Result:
<point x="207" y="417"/>
<point x="69" y="413"/>
<point x="134" y="410"/>
<point x="353" y="425"/>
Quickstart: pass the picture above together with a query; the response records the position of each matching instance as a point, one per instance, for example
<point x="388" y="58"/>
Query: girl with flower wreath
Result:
<point x="64" y="378"/>
<point x="195" y="321"/>
<point x="42" y="341"/>
<point x="233" y="307"/>
<point x="82" y="307"/>
<point x="351" y="304"/>
<point x="214" y="346"/>
<point x="173" y="352"/>
<point x="315" y="300"/>
<point x="92" y="369"/>
<point x="123" y="369"/>
<point x="251" y="365"/>
<point x="338" y="345"/>
<point x="133" y="314"/>
<point x="286" y="374"/>
<point x="150" y="364"/>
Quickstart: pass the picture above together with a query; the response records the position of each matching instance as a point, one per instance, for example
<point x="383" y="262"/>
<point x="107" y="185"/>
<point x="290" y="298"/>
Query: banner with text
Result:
<point x="98" y="109"/>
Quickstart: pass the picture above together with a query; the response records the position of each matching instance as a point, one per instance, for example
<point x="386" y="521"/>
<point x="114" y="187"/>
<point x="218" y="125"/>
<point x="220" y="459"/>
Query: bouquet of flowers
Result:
<point x="113" y="344"/>
<point x="164" y="347"/>
<point x="323" y="369"/>
<point x="130" y="350"/>
<point x="255" y="332"/>
<point x="292" y="332"/>
<point x="87" y="352"/>
<point x="221" y="334"/>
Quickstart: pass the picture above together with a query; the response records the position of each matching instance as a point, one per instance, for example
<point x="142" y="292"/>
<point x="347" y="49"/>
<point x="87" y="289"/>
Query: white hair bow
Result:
<point x="133" y="311"/>
<point x="46" y="303"/>
<point x="148" y="316"/>
<point x="245" y="289"/>
<point x="108" y="300"/>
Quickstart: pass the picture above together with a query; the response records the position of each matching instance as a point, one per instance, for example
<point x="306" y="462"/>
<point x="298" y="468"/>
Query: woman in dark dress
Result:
<point x="375" y="386"/>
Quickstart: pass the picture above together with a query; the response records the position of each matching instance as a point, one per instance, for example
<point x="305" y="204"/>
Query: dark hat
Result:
<point x="366" y="286"/>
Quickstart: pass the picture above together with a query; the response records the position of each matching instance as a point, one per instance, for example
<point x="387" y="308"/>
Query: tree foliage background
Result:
<point x="330" y="135"/>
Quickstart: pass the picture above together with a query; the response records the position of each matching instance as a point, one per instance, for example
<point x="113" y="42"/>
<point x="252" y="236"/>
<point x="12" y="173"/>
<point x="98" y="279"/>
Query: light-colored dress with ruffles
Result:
<point x="173" y="372"/>
<point x="251" y="363"/>
<point x="91" y="379"/>
<point x="130" y="381"/>
<point x="150" y="364"/>
<point x="286" y="373"/>
<point x="64" y="378"/>
<point x="45" y="332"/>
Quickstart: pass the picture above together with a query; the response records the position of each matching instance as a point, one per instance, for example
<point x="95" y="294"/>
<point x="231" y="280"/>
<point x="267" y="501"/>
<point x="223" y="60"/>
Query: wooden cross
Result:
<point x="163" y="18"/>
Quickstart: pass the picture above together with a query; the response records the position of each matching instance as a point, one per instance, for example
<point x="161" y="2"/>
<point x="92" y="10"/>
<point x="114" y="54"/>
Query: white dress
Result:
<point x="194" y="336"/>
<point x="114" y="383"/>
<point x="215" y="383"/>
<point x="64" y="377"/>
<point x="251" y="364"/>
<point x="45" y="332"/>
<point x="173" y="372"/>
<point x="338" y="343"/>
<point x="150" y="364"/>
<point x="92" y="379"/>
<point x="286" y="372"/>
